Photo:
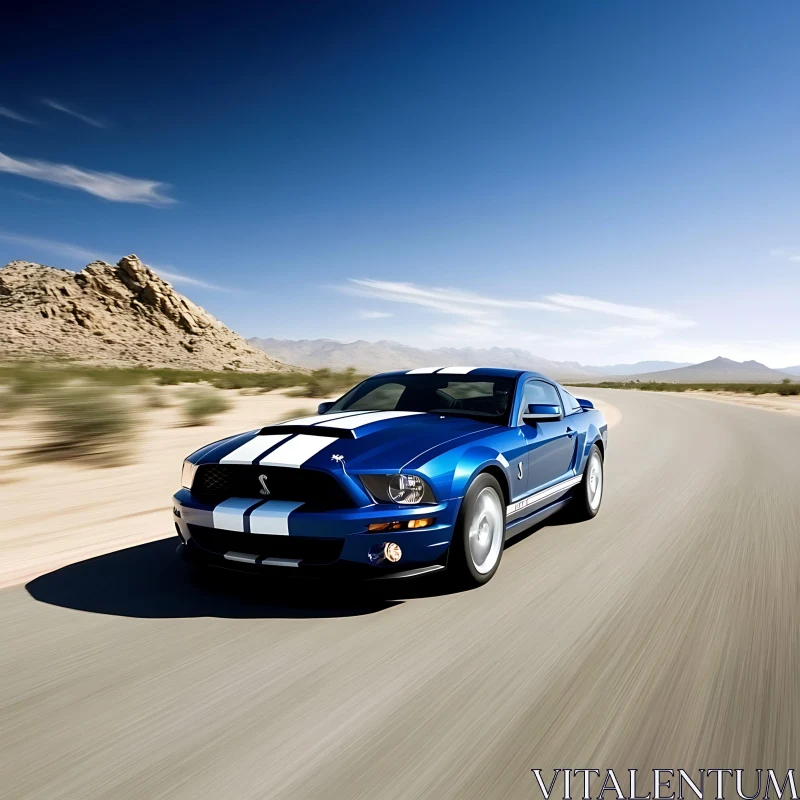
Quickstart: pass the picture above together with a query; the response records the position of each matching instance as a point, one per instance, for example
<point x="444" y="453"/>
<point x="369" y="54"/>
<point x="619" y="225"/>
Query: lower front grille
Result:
<point x="305" y="548"/>
<point x="320" y="490"/>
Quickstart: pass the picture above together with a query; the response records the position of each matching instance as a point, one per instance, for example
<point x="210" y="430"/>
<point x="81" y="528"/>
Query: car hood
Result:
<point x="371" y="441"/>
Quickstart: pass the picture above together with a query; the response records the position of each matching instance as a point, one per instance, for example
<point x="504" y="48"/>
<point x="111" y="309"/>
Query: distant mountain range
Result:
<point x="382" y="356"/>
<point x="720" y="370"/>
<point x="371" y="357"/>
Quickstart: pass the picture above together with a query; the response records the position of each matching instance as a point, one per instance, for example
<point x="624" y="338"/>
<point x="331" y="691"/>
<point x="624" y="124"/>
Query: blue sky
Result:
<point x="593" y="181"/>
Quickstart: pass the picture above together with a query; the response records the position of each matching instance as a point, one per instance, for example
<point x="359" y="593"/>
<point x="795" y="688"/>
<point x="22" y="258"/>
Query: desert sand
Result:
<point x="58" y="513"/>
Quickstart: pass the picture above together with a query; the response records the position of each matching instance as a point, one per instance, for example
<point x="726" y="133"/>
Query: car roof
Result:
<point x="497" y="372"/>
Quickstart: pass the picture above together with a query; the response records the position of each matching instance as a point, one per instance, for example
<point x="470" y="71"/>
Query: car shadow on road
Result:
<point x="150" y="582"/>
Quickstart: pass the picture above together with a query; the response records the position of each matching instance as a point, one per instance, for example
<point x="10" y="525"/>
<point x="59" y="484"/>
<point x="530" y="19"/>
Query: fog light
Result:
<point x="392" y="552"/>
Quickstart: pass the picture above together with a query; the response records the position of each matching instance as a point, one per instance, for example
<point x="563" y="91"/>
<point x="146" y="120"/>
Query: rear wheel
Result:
<point x="589" y="494"/>
<point x="480" y="533"/>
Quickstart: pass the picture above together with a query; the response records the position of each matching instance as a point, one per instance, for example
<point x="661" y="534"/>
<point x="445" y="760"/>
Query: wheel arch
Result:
<point x="593" y="436"/>
<point x="497" y="473"/>
<point x="475" y="462"/>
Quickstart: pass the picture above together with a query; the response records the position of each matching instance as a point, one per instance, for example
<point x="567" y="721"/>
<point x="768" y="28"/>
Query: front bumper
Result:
<point x="309" y="541"/>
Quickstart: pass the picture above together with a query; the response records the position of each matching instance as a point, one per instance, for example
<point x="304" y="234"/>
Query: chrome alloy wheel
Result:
<point x="486" y="531"/>
<point x="594" y="482"/>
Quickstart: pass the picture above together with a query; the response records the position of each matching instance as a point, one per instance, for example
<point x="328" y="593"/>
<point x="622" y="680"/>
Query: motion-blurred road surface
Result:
<point x="665" y="633"/>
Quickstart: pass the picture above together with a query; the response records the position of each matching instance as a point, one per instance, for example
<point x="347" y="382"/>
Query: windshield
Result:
<point x="481" y="397"/>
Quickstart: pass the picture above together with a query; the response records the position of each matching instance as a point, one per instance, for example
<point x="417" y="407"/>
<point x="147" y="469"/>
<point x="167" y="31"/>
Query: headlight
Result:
<point x="405" y="490"/>
<point x="187" y="474"/>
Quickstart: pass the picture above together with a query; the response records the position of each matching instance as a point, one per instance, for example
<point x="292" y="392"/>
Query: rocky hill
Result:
<point x="115" y="315"/>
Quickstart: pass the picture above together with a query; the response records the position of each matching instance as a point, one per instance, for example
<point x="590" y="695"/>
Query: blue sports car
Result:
<point x="408" y="473"/>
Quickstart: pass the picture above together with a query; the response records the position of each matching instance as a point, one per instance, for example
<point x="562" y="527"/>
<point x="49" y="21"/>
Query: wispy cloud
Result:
<point x="374" y="314"/>
<point x="445" y="300"/>
<point x="27" y="195"/>
<point x="651" y="316"/>
<point x="108" y="185"/>
<point x="86" y="255"/>
<point x="789" y="255"/>
<point x="7" y="112"/>
<point x="95" y="123"/>
<point x="170" y="274"/>
<point x="50" y="246"/>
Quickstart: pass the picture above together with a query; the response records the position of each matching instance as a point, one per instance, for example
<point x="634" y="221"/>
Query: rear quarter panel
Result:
<point x="594" y="430"/>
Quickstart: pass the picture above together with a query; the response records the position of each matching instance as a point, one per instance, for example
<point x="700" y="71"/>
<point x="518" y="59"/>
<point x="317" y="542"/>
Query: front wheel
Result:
<point x="589" y="494"/>
<point x="480" y="533"/>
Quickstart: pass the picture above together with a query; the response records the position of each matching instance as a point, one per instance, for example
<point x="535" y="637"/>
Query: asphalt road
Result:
<point x="665" y="633"/>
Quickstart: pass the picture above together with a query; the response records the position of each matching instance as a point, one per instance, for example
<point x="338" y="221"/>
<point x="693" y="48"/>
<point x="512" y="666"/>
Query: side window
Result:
<point x="540" y="393"/>
<point x="570" y="403"/>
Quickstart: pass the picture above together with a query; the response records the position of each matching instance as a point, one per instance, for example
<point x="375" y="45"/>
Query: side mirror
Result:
<point x="584" y="403"/>
<point x="541" y="413"/>
<point x="324" y="408"/>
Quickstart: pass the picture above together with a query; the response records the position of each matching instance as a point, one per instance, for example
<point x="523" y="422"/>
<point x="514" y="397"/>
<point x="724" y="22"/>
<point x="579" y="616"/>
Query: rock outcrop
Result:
<point x="115" y="315"/>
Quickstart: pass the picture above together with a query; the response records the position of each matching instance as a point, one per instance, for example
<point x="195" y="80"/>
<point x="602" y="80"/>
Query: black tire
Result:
<point x="484" y="499"/>
<point x="586" y="502"/>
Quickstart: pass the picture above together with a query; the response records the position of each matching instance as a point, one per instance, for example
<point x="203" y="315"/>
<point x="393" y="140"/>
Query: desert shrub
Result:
<point x="784" y="388"/>
<point x="25" y="379"/>
<point x="201" y="404"/>
<point x="31" y="377"/>
<point x="324" y="383"/>
<point x="10" y="403"/>
<point x="153" y="397"/>
<point x="87" y="423"/>
<point x="296" y="412"/>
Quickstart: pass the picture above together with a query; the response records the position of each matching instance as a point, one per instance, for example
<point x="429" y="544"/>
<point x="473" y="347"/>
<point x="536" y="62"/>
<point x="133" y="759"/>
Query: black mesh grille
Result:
<point x="216" y="482"/>
<point x="307" y="549"/>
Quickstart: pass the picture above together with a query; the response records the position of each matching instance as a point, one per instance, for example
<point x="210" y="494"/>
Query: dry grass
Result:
<point x="202" y="404"/>
<point x="82" y="423"/>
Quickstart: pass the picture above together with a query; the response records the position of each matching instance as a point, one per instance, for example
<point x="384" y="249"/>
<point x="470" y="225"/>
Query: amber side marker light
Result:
<point x="382" y="527"/>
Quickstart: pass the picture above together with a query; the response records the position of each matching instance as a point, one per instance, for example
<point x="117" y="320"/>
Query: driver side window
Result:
<point x="539" y="393"/>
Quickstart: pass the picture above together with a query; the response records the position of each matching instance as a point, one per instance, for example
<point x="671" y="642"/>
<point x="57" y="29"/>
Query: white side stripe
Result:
<point x="229" y="515"/>
<point x="294" y="452"/>
<point x="422" y="370"/>
<point x="251" y="450"/>
<point x="365" y="419"/>
<point x="456" y="370"/>
<point x="543" y="495"/>
<point x="272" y="517"/>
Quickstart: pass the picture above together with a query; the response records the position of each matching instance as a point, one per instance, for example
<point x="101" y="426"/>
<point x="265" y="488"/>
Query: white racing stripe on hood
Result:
<point x="273" y="517"/>
<point x="365" y="419"/>
<point x="297" y="450"/>
<point x="250" y="451"/>
<point x="320" y="418"/>
<point x="229" y="514"/>
<point x="456" y="370"/>
<point x="422" y="370"/>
